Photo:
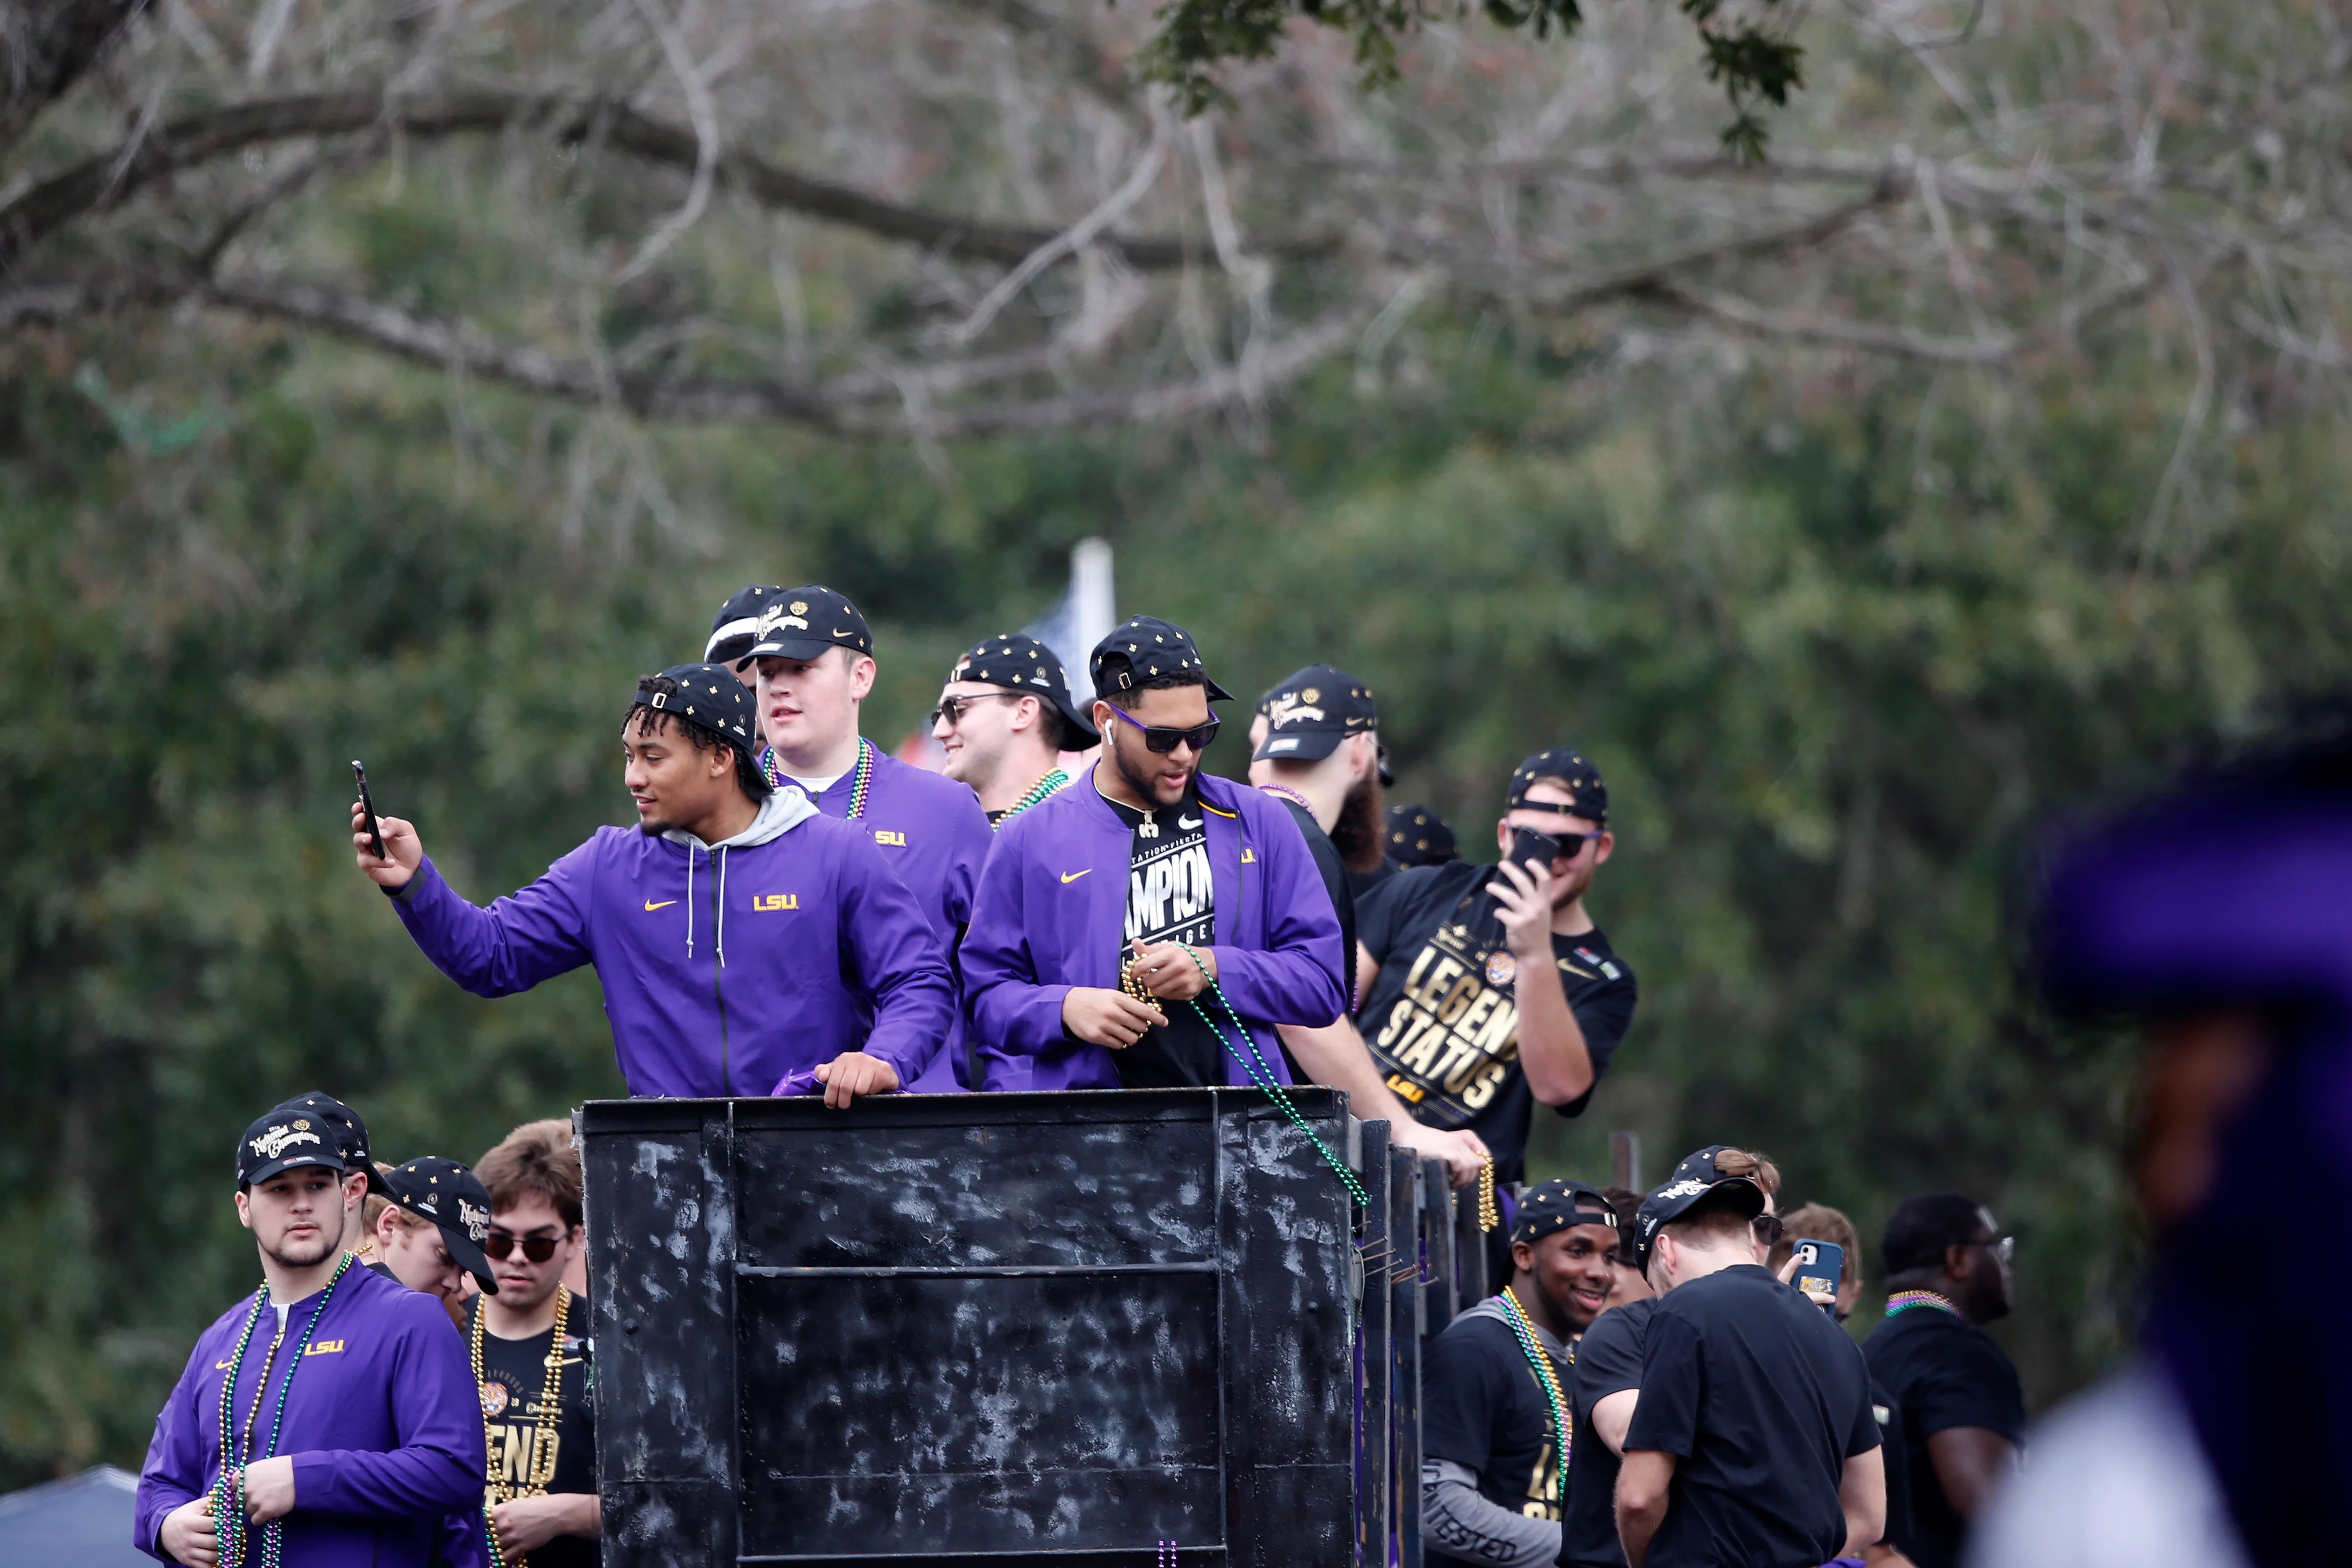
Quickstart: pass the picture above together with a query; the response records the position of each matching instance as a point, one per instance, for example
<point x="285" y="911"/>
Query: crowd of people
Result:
<point x="1071" y="903"/>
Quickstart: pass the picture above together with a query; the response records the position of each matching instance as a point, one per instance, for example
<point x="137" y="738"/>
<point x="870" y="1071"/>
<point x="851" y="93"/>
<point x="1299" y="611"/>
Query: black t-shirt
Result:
<point x="1335" y="882"/>
<point x="1761" y="1399"/>
<point x="1889" y="1411"/>
<point x="514" y="1376"/>
<point x="1482" y="1408"/>
<point x="1607" y="1361"/>
<point x="1946" y="1373"/>
<point x="1171" y="896"/>
<point x="1441" y="1019"/>
<point x="1360" y="883"/>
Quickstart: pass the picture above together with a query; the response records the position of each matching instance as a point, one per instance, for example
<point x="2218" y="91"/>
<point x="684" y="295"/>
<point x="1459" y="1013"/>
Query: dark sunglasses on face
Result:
<point x="1769" y="1229"/>
<point x="1164" y="741"/>
<point x="538" y="1249"/>
<point x="950" y="709"/>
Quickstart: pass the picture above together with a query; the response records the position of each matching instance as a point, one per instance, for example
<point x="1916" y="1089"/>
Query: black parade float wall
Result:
<point x="1123" y="1327"/>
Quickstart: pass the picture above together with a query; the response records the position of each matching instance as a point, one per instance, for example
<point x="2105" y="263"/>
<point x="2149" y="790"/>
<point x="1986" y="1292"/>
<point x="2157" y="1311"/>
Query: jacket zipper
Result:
<point x="717" y="995"/>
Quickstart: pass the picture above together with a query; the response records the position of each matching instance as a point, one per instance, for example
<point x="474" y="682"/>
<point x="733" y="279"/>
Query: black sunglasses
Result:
<point x="1164" y="741"/>
<point x="538" y="1249"/>
<point x="1769" y="1228"/>
<point x="950" y="709"/>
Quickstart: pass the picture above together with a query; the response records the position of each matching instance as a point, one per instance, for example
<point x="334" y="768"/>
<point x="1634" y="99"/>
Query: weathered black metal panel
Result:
<point x="662" y="1281"/>
<point x="1375" y="1512"/>
<point x="1409" y="1305"/>
<point x="1437" y="1235"/>
<point x="1052" y="1328"/>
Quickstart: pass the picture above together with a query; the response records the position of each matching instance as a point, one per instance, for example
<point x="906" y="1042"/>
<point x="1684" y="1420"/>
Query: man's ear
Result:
<point x="861" y="676"/>
<point x="245" y="1209"/>
<point x="1523" y="1256"/>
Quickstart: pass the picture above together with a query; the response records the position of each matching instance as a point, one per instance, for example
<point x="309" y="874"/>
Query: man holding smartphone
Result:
<point x="1487" y="988"/>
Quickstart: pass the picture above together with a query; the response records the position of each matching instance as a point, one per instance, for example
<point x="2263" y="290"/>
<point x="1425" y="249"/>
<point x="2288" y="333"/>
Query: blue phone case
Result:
<point x="1820" y="1265"/>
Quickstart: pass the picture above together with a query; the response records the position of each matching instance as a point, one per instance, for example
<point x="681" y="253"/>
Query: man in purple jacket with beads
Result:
<point x="1150" y="925"/>
<point x="815" y="659"/>
<point x="834" y="982"/>
<point x="329" y="1419"/>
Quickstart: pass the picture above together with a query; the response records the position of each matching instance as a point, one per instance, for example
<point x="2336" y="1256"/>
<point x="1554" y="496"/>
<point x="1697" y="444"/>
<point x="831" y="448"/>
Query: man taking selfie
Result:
<point x="834" y="979"/>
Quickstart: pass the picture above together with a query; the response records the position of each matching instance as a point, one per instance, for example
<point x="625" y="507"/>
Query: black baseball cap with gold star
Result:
<point x="1309" y="712"/>
<point x="282" y="1139"/>
<point x="1589" y="795"/>
<point x="1146" y="648"/>
<point x="706" y="696"/>
<point x="1557" y="1205"/>
<point x="802" y="623"/>
<point x="351" y="1133"/>
<point x="453" y="1197"/>
<point x="737" y="625"/>
<point x="1021" y="663"/>
<point x="1419" y="836"/>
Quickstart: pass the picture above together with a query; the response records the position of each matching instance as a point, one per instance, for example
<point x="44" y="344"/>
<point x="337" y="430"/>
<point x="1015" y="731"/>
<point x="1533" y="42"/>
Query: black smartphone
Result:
<point x="367" y="804"/>
<point x="1820" y="1265"/>
<point x="1533" y="850"/>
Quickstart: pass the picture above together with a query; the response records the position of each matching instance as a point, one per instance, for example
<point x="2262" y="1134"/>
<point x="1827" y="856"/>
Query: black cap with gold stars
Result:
<point x="1309" y="712"/>
<point x="350" y="1134"/>
<point x="452" y="1197"/>
<point x="1419" y="836"/>
<point x="1019" y="662"/>
<point x="1590" y="795"/>
<point x="1147" y="648"/>
<point x="1557" y="1205"/>
<point x="802" y="623"/>
<point x="706" y="696"/>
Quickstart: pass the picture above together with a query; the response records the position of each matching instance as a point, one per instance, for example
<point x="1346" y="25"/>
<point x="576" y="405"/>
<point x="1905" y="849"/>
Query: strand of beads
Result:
<point x="1540" y="1359"/>
<point x="1037" y="792"/>
<point x="860" y="781"/>
<point x="1489" y="1215"/>
<point x="228" y="1488"/>
<point x="1903" y="1300"/>
<point x="1133" y="984"/>
<point x="273" y="1534"/>
<point x="1261" y="1074"/>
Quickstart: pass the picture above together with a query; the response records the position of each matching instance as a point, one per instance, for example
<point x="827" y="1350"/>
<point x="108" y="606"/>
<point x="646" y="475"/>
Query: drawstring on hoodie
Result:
<point x="723" y="907"/>
<point x="689" y="901"/>
<point x="721" y="856"/>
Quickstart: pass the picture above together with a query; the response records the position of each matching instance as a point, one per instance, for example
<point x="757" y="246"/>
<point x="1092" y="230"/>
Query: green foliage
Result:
<point x="1838" y="646"/>
<point x="1195" y="37"/>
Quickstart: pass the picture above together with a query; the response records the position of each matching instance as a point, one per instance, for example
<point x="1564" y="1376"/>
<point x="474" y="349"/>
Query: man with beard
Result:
<point x="814" y="654"/>
<point x="1963" y="1406"/>
<point x="1149" y="926"/>
<point x="835" y="978"/>
<point x="328" y="1420"/>
<point x="1495" y="1421"/>
<point x="1004" y="719"/>
<point x="1487" y="988"/>
<point x="1318" y="754"/>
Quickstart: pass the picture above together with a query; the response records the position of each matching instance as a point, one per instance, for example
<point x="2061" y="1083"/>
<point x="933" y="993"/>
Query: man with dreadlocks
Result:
<point x="328" y="1420"/>
<point x="836" y="983"/>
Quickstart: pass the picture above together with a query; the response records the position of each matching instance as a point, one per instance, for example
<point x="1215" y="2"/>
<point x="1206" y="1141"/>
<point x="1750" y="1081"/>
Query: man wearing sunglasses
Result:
<point x="1963" y="1406"/>
<point x="1005" y="720"/>
<point x="1150" y="877"/>
<point x="1488" y="989"/>
<point x="814" y="654"/>
<point x="541" y="1482"/>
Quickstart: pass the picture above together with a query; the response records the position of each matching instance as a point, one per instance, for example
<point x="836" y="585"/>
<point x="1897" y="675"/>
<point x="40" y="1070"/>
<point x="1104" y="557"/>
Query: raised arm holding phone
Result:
<point x="834" y="980"/>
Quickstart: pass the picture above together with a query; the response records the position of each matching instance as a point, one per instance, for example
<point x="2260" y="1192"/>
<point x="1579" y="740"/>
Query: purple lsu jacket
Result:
<point x="932" y="833"/>
<point x="1052" y="907"/>
<point x="383" y="1423"/>
<point x="727" y="968"/>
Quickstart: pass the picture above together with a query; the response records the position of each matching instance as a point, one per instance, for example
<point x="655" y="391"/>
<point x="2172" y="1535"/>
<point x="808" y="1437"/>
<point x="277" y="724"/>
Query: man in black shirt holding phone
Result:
<point x="1487" y="988"/>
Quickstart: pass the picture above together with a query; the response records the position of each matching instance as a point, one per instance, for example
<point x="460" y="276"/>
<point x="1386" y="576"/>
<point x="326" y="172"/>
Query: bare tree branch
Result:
<point x="202" y="137"/>
<point x="1837" y="332"/>
<point x="849" y="408"/>
<point x="45" y="50"/>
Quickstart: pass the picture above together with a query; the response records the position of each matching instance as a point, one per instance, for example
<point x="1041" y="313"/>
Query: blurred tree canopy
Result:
<point x="1963" y="464"/>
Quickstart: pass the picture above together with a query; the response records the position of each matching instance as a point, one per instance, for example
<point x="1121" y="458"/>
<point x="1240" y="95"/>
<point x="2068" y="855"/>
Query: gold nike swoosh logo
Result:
<point x="665" y="903"/>
<point x="1069" y="877"/>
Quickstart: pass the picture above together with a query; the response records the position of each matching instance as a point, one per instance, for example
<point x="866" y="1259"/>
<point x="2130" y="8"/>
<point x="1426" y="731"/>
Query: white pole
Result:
<point x="1094" y="606"/>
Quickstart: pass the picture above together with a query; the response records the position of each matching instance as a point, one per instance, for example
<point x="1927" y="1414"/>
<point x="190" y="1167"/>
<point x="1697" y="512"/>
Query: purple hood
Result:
<point x="1052" y="902"/>
<point x="2238" y="895"/>
<point x="726" y="969"/>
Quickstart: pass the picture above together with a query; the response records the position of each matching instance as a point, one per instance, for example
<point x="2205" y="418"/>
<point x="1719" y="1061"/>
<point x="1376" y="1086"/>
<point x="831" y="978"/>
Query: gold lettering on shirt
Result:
<point x="768" y="901"/>
<point x="325" y="1347"/>
<point x="884" y="836"/>
<point x="1543" y="1488"/>
<point x="1448" y="1040"/>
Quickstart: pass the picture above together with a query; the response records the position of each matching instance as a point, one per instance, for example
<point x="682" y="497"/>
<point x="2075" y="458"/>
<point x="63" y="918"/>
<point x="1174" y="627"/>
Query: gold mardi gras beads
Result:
<point x="1133" y="984"/>
<point x="1489" y="1216"/>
